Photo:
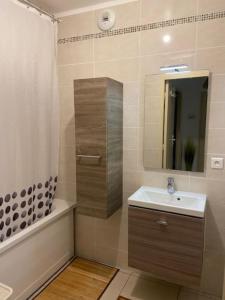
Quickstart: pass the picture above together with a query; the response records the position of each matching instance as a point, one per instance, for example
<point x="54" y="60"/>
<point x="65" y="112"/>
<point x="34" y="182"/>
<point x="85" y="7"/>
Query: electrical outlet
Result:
<point x="217" y="163"/>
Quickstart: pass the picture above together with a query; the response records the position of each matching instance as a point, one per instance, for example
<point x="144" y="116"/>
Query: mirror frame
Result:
<point x="163" y="78"/>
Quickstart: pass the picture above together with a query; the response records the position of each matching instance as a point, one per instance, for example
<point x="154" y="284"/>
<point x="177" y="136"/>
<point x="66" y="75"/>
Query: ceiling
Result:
<point x="58" y="6"/>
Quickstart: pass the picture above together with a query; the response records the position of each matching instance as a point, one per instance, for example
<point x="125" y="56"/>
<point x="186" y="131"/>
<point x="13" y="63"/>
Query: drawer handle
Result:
<point x="79" y="156"/>
<point x="162" y="222"/>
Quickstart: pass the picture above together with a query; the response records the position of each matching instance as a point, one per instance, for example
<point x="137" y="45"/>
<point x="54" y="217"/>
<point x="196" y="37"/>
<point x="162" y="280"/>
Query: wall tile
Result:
<point x="157" y="10"/>
<point x="130" y="158"/>
<point x="67" y="74"/>
<point x="116" y="47"/>
<point x="72" y="53"/>
<point x="131" y="93"/>
<point x="130" y="116"/>
<point x="217" y="88"/>
<point x="76" y="25"/>
<point x="216" y="118"/>
<point x="130" y="138"/>
<point x="182" y="38"/>
<point x="211" y="34"/>
<point x="66" y="190"/>
<point x="216" y="141"/>
<point x="121" y="70"/>
<point x="85" y="236"/>
<point x="212" y="59"/>
<point x="205" y="6"/>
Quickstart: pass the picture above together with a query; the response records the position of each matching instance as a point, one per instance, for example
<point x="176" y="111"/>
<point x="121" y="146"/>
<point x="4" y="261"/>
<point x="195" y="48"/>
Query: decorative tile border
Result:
<point x="150" y="26"/>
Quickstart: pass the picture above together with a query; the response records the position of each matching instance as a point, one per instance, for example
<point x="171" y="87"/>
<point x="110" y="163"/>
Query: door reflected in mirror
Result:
<point x="175" y="121"/>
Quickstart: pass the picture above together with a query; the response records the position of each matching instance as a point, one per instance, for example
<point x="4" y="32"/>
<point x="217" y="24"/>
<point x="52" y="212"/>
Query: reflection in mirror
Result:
<point x="175" y="121"/>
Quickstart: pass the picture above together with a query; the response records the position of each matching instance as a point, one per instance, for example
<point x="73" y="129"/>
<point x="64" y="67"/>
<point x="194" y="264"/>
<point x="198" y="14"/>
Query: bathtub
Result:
<point x="31" y="257"/>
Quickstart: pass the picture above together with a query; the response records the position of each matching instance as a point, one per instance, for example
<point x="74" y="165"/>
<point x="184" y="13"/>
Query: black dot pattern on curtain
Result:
<point x="21" y="209"/>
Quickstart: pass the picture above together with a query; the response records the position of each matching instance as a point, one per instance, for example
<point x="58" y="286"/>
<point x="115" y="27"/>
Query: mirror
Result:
<point x="175" y="121"/>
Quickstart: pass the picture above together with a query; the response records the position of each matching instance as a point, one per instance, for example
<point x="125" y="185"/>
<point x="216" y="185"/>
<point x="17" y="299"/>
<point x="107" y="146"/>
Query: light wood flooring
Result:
<point x="82" y="279"/>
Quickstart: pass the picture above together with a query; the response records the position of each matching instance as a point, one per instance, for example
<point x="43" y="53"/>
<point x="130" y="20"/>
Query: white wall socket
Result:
<point x="217" y="163"/>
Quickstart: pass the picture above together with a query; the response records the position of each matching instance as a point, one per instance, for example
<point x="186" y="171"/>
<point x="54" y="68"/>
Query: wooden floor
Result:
<point x="81" y="280"/>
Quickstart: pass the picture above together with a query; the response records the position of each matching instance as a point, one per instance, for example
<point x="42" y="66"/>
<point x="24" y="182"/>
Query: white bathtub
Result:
<point x="31" y="257"/>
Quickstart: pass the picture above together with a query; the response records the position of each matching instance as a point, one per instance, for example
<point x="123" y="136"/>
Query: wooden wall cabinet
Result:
<point x="172" y="251"/>
<point x="99" y="145"/>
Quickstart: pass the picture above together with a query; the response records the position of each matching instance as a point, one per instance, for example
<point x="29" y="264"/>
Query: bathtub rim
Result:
<point x="60" y="208"/>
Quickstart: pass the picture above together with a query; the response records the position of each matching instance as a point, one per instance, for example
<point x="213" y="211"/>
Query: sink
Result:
<point x="190" y="204"/>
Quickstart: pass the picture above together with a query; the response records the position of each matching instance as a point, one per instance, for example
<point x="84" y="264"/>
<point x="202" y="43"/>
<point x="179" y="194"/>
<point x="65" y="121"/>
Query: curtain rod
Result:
<point x="41" y="11"/>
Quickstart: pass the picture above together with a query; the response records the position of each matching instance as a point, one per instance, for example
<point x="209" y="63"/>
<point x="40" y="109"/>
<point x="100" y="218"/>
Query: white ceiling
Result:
<point x="58" y="6"/>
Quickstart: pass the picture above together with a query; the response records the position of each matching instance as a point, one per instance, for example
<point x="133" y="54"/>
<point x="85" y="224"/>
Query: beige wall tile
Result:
<point x="73" y="53"/>
<point x="217" y="85"/>
<point x="85" y="236"/>
<point x="67" y="136"/>
<point x="66" y="190"/>
<point x="182" y="38"/>
<point x="212" y="59"/>
<point x="76" y="25"/>
<point x="116" y="47"/>
<point x="131" y="93"/>
<point x="216" y="141"/>
<point x="67" y="74"/>
<point x="67" y="172"/>
<point x="132" y="181"/>
<point x="211" y="34"/>
<point x="216" y="117"/>
<point x="158" y="10"/>
<point x="159" y="179"/>
<point x="205" y="6"/>
<point x="130" y="115"/>
<point x="130" y="138"/>
<point x="130" y="159"/>
<point x="121" y="70"/>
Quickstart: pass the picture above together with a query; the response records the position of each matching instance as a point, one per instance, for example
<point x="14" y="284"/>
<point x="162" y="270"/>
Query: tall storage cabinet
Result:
<point x="99" y="145"/>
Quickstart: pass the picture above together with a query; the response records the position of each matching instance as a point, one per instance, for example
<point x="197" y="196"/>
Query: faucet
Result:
<point x="171" y="185"/>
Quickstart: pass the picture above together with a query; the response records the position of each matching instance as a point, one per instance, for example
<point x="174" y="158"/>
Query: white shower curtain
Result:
<point x="28" y="117"/>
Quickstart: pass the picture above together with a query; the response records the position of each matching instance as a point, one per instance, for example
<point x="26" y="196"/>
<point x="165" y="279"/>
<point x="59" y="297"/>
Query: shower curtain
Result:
<point x="28" y="117"/>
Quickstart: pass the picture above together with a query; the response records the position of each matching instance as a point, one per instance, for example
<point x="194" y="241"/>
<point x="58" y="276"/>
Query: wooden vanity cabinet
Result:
<point x="167" y="245"/>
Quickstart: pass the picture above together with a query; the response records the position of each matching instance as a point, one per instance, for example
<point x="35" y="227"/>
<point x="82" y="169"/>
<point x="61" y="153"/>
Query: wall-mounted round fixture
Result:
<point x="106" y="20"/>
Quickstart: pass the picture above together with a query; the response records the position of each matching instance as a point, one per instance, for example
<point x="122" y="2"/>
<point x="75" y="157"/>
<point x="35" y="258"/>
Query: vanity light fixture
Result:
<point x="174" y="69"/>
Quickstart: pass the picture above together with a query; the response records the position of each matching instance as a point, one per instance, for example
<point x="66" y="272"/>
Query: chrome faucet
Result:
<point x="171" y="186"/>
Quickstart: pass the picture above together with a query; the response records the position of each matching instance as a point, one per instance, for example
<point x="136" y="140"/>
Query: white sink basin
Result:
<point x="184" y="203"/>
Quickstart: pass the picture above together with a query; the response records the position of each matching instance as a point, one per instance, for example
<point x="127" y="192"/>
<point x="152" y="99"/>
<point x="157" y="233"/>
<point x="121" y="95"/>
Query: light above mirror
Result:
<point x="174" y="69"/>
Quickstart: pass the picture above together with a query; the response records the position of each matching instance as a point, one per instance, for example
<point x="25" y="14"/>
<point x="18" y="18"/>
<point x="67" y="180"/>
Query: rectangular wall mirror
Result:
<point x="175" y="121"/>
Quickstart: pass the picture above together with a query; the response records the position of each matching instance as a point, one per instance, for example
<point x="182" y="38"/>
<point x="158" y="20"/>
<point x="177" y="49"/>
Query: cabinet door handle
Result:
<point x="79" y="156"/>
<point x="162" y="222"/>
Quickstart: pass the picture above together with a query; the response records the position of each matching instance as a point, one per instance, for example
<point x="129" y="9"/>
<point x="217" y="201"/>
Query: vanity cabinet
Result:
<point x="167" y="245"/>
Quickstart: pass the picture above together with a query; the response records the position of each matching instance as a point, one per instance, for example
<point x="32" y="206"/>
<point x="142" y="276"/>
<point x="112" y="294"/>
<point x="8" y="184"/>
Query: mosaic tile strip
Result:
<point x="150" y="26"/>
<point x="19" y="210"/>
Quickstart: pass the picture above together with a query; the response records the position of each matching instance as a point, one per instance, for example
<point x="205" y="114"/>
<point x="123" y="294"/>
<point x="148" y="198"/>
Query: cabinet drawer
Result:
<point x="167" y="245"/>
